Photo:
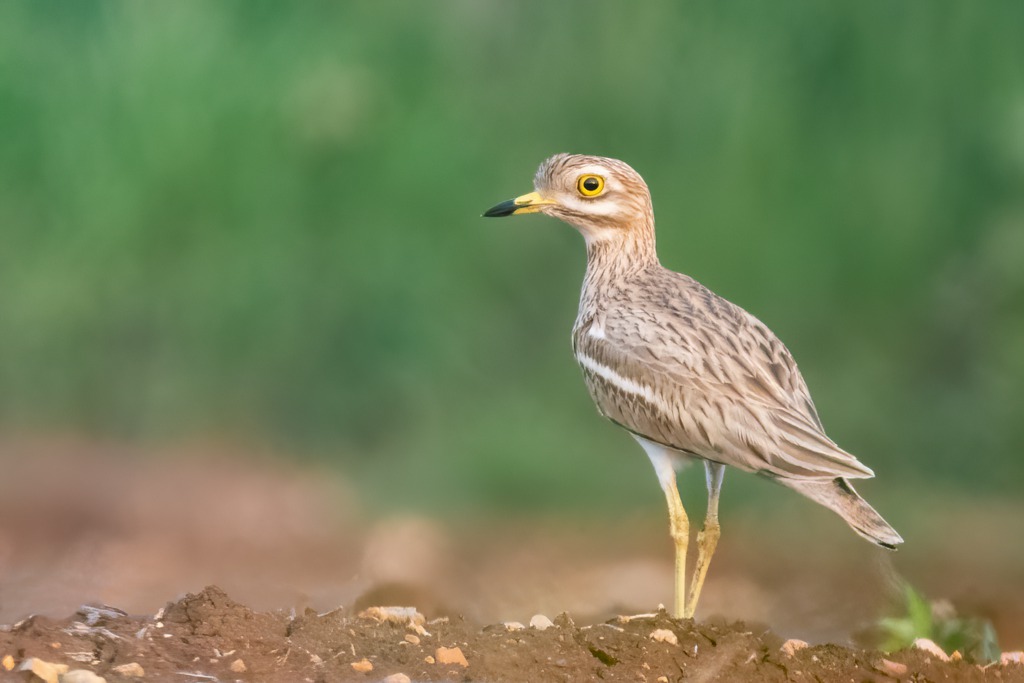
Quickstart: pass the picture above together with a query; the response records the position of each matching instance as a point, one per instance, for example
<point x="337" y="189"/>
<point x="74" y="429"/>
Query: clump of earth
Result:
<point x="208" y="636"/>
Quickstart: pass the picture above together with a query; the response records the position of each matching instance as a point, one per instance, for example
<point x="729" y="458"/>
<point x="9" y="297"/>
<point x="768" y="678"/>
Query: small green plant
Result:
<point x="974" y="637"/>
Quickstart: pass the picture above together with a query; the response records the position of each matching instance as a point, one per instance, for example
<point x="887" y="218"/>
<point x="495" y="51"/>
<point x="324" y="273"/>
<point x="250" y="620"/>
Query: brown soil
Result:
<point x="208" y="636"/>
<point x="107" y="523"/>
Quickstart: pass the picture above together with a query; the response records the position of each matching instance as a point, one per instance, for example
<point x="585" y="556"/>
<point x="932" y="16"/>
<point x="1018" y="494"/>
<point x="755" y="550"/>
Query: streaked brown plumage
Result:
<point x="688" y="373"/>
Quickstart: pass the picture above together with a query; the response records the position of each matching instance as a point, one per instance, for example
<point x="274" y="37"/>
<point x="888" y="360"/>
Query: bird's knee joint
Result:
<point x="678" y="527"/>
<point x="711" y="531"/>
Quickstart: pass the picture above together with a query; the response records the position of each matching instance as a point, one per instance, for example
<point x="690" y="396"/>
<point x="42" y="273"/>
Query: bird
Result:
<point x="690" y="375"/>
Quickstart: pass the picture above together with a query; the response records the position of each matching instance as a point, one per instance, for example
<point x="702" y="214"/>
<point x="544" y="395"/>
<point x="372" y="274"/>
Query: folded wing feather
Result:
<point x="705" y="377"/>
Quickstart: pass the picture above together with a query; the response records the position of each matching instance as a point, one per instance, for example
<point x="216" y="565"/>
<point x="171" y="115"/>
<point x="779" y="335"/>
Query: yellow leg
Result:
<point x="664" y="462"/>
<point x="679" y="530"/>
<point x="707" y="538"/>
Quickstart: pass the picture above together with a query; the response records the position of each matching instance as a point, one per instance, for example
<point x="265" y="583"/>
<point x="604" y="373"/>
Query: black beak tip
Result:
<point x="504" y="209"/>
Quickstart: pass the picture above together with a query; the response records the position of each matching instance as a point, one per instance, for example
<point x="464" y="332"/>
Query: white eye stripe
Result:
<point x="591" y="206"/>
<point x="593" y="169"/>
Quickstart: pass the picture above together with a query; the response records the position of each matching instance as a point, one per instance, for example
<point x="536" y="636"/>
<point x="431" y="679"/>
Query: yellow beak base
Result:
<point x="527" y="203"/>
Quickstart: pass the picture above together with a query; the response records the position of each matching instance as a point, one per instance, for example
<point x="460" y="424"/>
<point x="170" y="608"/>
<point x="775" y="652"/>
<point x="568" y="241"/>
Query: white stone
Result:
<point x="541" y="622"/>
<point x="931" y="648"/>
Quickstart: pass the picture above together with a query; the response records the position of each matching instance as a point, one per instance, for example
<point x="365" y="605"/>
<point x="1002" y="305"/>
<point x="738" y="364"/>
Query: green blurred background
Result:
<point x="261" y="221"/>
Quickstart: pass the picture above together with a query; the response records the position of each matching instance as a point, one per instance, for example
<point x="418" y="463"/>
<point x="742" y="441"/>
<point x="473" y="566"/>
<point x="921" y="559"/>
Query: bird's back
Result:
<point x="669" y="360"/>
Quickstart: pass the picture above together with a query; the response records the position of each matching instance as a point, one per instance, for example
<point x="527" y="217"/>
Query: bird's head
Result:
<point x="602" y="198"/>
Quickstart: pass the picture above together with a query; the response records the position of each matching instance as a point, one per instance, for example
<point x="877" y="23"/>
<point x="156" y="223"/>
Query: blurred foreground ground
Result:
<point x="84" y="521"/>
<point x="211" y="637"/>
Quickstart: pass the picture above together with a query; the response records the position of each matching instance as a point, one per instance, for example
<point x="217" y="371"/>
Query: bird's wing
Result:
<point x="696" y="373"/>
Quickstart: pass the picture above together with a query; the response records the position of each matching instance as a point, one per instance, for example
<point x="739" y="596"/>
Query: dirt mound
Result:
<point x="208" y="636"/>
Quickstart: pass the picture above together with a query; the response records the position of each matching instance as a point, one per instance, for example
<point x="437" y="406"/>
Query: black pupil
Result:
<point x="591" y="184"/>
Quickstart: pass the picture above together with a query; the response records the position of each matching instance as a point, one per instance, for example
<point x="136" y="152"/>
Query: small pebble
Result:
<point x="396" y="678"/>
<point x="397" y="615"/>
<point x="792" y="646"/>
<point x="7" y="662"/>
<point x="132" y="670"/>
<point x="626" y="618"/>
<point x="363" y="666"/>
<point x="238" y="666"/>
<point x="410" y="638"/>
<point x="541" y="622"/>
<point x="451" y="655"/>
<point x="893" y="668"/>
<point x="931" y="648"/>
<point x="513" y="626"/>
<point x="662" y="679"/>
<point x="663" y="635"/>
<point x="428" y="659"/>
<point x="956" y="656"/>
<point x="80" y="676"/>
<point x="44" y="670"/>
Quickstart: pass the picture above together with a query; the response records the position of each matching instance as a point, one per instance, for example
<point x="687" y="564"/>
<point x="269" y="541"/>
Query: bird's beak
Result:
<point x="528" y="203"/>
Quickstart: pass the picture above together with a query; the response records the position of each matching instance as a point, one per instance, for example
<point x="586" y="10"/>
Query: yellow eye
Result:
<point x="590" y="185"/>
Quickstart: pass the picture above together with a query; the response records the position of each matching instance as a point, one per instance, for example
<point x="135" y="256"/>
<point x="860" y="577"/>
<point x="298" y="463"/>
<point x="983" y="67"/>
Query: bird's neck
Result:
<point x="614" y="258"/>
<point x="617" y="253"/>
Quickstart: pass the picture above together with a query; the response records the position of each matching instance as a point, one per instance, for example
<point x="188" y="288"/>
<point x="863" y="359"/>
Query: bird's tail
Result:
<point x="838" y="496"/>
